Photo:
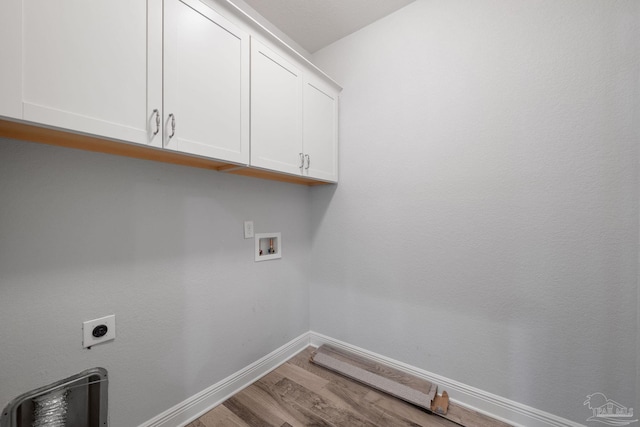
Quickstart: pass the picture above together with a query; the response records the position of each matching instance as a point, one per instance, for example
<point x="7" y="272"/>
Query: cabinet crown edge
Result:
<point x="269" y="36"/>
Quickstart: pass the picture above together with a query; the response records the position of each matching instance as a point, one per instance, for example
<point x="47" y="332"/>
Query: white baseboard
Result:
<point x="478" y="400"/>
<point x="497" y="407"/>
<point x="198" y="404"/>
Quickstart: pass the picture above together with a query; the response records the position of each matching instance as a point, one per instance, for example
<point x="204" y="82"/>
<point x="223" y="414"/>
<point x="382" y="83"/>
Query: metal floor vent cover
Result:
<point x="78" y="401"/>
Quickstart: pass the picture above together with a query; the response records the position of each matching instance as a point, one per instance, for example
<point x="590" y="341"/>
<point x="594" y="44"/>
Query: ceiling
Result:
<point x="314" y="24"/>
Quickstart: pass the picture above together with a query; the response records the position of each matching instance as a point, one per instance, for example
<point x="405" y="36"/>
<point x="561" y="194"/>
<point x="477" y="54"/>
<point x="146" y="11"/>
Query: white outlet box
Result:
<point x="104" y="327"/>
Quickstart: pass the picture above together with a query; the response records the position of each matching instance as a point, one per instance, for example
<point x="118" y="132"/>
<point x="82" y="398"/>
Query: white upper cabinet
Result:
<point x="320" y="130"/>
<point x="183" y="76"/>
<point x="91" y="67"/>
<point x="294" y="118"/>
<point x="276" y="111"/>
<point x="206" y="83"/>
<point x="97" y="68"/>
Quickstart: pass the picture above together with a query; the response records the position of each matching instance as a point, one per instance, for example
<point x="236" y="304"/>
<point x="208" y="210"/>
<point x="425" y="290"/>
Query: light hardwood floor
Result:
<point x="299" y="393"/>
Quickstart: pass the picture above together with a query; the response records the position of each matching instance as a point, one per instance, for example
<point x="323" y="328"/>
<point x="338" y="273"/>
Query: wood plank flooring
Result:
<point x="299" y="393"/>
<point x="392" y="381"/>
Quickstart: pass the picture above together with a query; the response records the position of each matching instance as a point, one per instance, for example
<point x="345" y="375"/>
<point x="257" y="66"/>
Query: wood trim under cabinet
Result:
<point x="44" y="135"/>
<point x="275" y="176"/>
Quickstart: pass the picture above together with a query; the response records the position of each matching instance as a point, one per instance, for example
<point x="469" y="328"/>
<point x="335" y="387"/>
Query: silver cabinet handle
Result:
<point x="301" y="160"/>
<point x="308" y="161"/>
<point x="173" y="125"/>
<point x="157" y="113"/>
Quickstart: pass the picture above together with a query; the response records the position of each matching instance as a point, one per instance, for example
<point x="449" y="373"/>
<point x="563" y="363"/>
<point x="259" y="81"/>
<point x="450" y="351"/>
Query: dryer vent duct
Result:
<point x="78" y="401"/>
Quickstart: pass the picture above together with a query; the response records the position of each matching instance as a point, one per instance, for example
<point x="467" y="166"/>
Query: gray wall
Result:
<point x="486" y="224"/>
<point x="84" y="235"/>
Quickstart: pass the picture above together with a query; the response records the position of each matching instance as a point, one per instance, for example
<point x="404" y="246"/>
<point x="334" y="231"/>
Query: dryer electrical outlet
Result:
<point x="97" y="331"/>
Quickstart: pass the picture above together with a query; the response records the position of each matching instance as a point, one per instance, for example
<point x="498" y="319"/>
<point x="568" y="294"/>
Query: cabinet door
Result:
<point x="320" y="130"/>
<point x="93" y="66"/>
<point x="206" y="83"/>
<point x="10" y="51"/>
<point x="276" y="111"/>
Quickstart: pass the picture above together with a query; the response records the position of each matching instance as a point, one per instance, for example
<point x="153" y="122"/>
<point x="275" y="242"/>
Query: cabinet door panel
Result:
<point x="321" y="130"/>
<point x="206" y="82"/>
<point x="10" y="49"/>
<point x="85" y="67"/>
<point x="276" y="108"/>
